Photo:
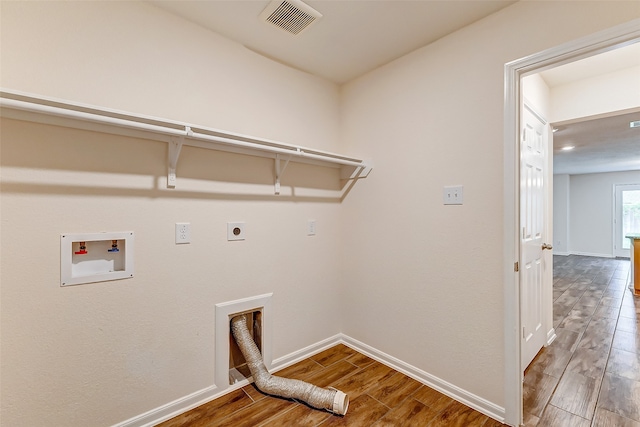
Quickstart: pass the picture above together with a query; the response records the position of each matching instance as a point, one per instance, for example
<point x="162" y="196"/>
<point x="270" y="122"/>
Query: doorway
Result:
<point x="514" y="71"/>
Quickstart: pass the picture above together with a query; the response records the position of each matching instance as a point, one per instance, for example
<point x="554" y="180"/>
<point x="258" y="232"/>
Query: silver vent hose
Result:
<point x="321" y="398"/>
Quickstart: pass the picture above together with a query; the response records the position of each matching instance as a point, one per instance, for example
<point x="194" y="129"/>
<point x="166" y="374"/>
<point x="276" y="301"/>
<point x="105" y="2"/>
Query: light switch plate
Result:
<point x="452" y="195"/>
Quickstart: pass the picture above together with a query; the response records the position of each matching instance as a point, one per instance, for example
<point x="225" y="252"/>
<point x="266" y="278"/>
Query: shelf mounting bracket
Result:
<point x="175" y="146"/>
<point x="279" y="171"/>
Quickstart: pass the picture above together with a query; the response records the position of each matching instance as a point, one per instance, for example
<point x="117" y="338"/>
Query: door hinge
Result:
<point x="516" y="267"/>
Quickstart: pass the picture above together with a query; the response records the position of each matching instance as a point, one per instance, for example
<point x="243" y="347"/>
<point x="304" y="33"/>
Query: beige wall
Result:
<point x="425" y="280"/>
<point x="135" y="57"/>
<point x="390" y="266"/>
<point x="101" y="353"/>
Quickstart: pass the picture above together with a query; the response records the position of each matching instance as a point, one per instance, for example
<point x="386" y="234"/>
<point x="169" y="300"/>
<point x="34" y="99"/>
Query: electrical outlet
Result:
<point x="311" y="227"/>
<point x="452" y="195"/>
<point x="183" y="233"/>
<point x="235" y="231"/>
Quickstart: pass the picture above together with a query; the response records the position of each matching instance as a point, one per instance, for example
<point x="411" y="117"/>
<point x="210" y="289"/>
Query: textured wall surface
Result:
<point x="101" y="353"/>
<point x="430" y="119"/>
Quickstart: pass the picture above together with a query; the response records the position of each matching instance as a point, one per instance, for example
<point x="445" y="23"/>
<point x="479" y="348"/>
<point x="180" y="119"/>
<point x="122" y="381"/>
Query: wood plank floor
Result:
<point x="590" y="375"/>
<point x="379" y="396"/>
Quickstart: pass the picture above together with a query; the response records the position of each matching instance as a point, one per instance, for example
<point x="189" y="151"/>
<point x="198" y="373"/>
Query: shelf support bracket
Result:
<point x="279" y="172"/>
<point x="175" y="146"/>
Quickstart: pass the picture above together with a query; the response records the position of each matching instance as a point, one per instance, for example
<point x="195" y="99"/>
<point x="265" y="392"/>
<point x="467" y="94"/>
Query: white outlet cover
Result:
<point x="452" y="195"/>
<point x="235" y="231"/>
<point x="183" y="233"/>
<point x="311" y="227"/>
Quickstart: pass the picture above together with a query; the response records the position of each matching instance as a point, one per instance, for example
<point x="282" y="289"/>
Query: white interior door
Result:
<point x="534" y="271"/>
<point x="627" y="217"/>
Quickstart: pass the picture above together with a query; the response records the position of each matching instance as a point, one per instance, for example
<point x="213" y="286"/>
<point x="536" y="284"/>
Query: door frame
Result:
<point x="593" y="44"/>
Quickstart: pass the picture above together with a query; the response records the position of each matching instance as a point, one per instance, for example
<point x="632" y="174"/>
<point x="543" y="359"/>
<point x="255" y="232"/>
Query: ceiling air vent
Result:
<point x="635" y="124"/>
<point x="292" y="16"/>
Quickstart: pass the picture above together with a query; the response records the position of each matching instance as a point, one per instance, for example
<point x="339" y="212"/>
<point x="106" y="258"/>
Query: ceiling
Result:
<point x="355" y="37"/>
<point x="351" y="38"/>
<point x="601" y="145"/>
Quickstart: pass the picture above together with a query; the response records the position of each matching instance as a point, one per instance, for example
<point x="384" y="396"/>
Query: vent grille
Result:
<point x="635" y="124"/>
<point x="292" y="16"/>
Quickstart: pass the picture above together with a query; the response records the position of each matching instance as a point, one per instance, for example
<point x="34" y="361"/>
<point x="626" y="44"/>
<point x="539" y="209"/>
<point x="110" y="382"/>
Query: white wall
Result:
<point x="561" y="209"/>
<point x="424" y="281"/>
<point x="591" y="211"/>
<point x="617" y="91"/>
<point x="101" y="353"/>
<point x="537" y="94"/>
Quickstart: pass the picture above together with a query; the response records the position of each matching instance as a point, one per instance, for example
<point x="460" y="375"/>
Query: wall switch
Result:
<point x="311" y="227"/>
<point x="183" y="233"/>
<point x="235" y="231"/>
<point x="452" y="195"/>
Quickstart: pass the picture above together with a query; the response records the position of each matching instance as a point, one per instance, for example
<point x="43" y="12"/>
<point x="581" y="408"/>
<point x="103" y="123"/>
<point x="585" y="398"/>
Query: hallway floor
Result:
<point x="590" y="374"/>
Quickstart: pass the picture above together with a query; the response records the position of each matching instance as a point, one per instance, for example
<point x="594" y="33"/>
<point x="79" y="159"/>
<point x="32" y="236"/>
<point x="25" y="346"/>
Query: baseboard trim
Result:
<point x="296" y="356"/>
<point x="471" y="400"/>
<point x="177" y="407"/>
<point x="186" y="403"/>
<point x="592" y="254"/>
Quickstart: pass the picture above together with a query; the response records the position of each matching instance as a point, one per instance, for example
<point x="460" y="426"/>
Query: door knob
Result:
<point x="546" y="246"/>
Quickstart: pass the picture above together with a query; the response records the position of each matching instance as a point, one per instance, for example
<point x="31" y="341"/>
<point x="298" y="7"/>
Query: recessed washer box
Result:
<point x="95" y="257"/>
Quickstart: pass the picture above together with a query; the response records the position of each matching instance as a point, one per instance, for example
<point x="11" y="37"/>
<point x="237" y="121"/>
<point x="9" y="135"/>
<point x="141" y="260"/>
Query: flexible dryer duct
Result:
<point x="321" y="398"/>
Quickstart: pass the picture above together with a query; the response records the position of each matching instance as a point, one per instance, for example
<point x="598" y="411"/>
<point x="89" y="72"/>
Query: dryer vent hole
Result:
<point x="238" y="369"/>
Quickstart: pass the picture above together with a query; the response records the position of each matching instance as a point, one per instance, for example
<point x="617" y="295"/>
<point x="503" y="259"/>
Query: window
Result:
<point x="627" y="207"/>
